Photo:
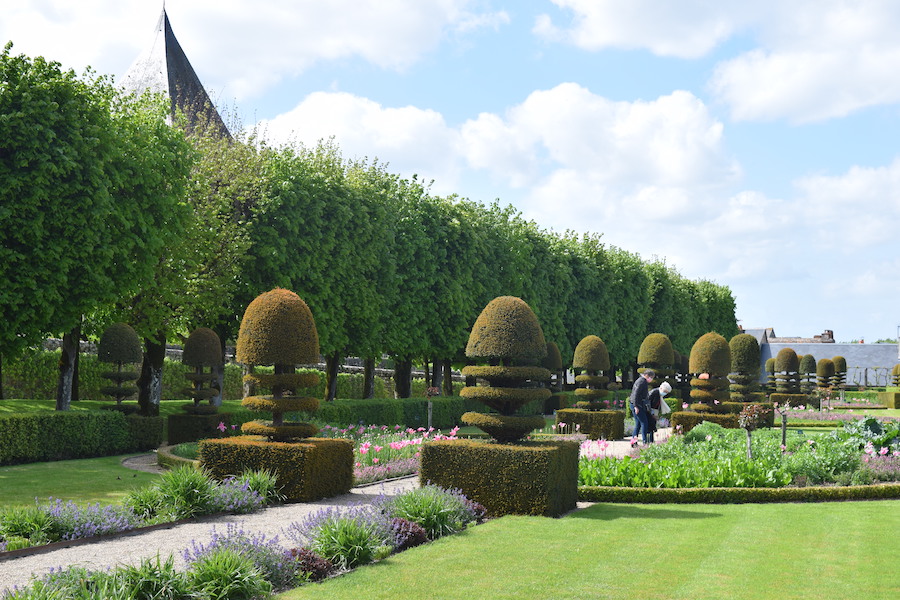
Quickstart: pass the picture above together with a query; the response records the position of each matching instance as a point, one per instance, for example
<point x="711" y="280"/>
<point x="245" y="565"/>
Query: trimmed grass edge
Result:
<point x="624" y="495"/>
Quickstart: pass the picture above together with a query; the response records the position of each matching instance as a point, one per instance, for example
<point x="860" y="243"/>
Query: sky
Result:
<point x="753" y="144"/>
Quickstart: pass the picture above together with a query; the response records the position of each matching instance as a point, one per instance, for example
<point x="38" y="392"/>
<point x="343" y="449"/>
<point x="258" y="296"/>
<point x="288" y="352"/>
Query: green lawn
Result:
<point x="677" y="552"/>
<point x="86" y="480"/>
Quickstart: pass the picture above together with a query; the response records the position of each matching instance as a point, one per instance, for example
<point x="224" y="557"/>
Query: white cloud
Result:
<point x="815" y="60"/>
<point x="243" y="47"/>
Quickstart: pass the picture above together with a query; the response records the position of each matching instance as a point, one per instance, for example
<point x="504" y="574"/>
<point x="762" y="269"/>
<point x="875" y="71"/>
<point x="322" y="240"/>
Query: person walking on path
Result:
<point x="656" y="407"/>
<point x="640" y="405"/>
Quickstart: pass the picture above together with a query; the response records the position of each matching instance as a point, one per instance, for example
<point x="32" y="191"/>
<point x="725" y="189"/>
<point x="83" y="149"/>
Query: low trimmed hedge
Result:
<point x="738" y="495"/>
<point x="596" y="424"/>
<point x="684" y="421"/>
<point x="526" y="478"/>
<point x="307" y="470"/>
<point x="63" y="435"/>
<point x="889" y="399"/>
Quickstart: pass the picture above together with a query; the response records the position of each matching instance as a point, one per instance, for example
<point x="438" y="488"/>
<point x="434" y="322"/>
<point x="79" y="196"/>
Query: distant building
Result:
<point x="867" y="364"/>
<point x="164" y="68"/>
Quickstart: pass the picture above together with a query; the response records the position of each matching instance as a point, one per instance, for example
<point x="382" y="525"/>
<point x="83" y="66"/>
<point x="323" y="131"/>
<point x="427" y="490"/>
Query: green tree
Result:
<point x="90" y="191"/>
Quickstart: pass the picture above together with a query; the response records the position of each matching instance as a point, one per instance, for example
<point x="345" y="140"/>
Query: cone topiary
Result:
<point x="787" y="366"/>
<point x="278" y="330"/>
<point x="591" y="358"/>
<point x="656" y="353"/>
<point x="744" y="368"/>
<point x="840" y="371"/>
<point x="202" y="350"/>
<point x="120" y="345"/>
<point x="508" y="336"/>
<point x="710" y="363"/>
<point x="824" y="373"/>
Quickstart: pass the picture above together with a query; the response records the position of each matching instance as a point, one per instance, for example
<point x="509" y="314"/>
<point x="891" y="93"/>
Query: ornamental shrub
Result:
<point x="770" y="375"/>
<point x="807" y="372"/>
<point x="840" y="371"/>
<point x="895" y="374"/>
<point x="507" y="335"/>
<point x="278" y="329"/>
<point x="120" y="345"/>
<point x="656" y="353"/>
<point x="202" y="350"/>
<point x="553" y="363"/>
<point x="591" y="358"/>
<point x="744" y="368"/>
<point x="824" y="373"/>
<point x="710" y="364"/>
<point x="787" y="377"/>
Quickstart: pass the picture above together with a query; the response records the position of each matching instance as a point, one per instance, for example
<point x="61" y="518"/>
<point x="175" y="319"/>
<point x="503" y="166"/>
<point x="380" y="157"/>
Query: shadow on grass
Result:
<point x="610" y="512"/>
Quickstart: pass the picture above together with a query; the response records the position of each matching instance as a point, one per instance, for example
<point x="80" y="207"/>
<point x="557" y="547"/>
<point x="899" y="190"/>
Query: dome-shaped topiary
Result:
<point x="895" y="374"/>
<point x="507" y="329"/>
<point x="787" y="361"/>
<point x="711" y="354"/>
<point x="770" y="365"/>
<point x="656" y="351"/>
<point x="278" y="329"/>
<point x="824" y="372"/>
<point x="840" y="371"/>
<point x="591" y="354"/>
<point x="120" y="344"/>
<point x="203" y="348"/>
<point x="807" y="364"/>
<point x="553" y="360"/>
<point x="744" y="353"/>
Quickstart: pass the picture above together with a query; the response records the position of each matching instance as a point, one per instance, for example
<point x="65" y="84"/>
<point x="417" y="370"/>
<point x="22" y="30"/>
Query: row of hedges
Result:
<point x="33" y="375"/>
<point x="45" y="436"/>
<point x="737" y="495"/>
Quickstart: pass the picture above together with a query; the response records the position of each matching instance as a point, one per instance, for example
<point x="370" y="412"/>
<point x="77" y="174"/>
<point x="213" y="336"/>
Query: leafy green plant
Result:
<point x="440" y="512"/>
<point x="186" y="492"/>
<point x="347" y="539"/>
<point x="225" y="574"/>
<point x="263" y="482"/>
<point x="31" y="523"/>
<point x="156" y="579"/>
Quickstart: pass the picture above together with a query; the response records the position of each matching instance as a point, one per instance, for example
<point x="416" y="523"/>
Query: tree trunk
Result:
<point x="66" y="369"/>
<point x="402" y="378"/>
<point x="437" y="373"/>
<point x="784" y="428"/>
<point x="369" y="378"/>
<point x="76" y="366"/>
<point x="749" y="445"/>
<point x="150" y="381"/>
<point x="332" y="361"/>
<point x="448" y="377"/>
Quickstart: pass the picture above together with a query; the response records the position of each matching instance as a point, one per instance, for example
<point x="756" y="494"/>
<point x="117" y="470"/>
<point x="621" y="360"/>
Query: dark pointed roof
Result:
<point x="165" y="69"/>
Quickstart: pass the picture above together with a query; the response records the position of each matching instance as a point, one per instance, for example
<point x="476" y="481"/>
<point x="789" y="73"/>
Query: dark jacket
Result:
<point x="640" y="398"/>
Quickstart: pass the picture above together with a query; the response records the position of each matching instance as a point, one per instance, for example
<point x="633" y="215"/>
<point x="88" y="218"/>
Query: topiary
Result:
<point x="744" y="368"/>
<point x="120" y="345"/>
<point x="770" y="375"/>
<point x="807" y="371"/>
<point x="895" y="374"/>
<point x="278" y="329"/>
<point x="840" y="371"/>
<point x="656" y="353"/>
<point x="508" y="336"/>
<point x="553" y="363"/>
<point x="710" y="363"/>
<point x="787" y="378"/>
<point x="592" y="358"/>
<point x="824" y="373"/>
<point x="202" y="349"/>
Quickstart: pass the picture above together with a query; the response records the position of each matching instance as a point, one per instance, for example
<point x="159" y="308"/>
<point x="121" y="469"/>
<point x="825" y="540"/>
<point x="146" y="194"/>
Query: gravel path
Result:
<point x="131" y="548"/>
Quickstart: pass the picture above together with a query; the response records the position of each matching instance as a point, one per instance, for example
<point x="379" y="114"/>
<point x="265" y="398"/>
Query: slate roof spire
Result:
<point x="165" y="68"/>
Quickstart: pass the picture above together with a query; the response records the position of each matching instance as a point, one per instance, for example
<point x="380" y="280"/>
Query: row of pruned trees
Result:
<point x="168" y="233"/>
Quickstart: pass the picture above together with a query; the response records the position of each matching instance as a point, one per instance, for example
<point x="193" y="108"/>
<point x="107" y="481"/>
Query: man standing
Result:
<point x="640" y="405"/>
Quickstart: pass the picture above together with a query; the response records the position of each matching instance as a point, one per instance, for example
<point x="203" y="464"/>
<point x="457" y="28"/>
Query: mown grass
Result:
<point x="85" y="480"/>
<point x="667" y="552"/>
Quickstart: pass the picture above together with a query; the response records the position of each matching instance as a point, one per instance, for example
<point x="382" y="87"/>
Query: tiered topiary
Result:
<point x="591" y="358"/>
<point x="710" y="364"/>
<point x="770" y="375"/>
<point x="202" y="350"/>
<point x="121" y="346"/>
<point x="807" y="373"/>
<point x="592" y="414"/>
<point x="895" y="374"/>
<point x="553" y="363"/>
<point x="787" y="366"/>
<point x="824" y="373"/>
<point x="278" y="330"/>
<point x="506" y="335"/>
<point x="840" y="372"/>
<point x="745" y="368"/>
<point x="656" y="353"/>
<point x="529" y="477"/>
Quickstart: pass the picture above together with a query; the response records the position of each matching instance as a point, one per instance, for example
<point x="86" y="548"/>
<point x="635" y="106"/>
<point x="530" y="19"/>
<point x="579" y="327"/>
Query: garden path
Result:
<point x="131" y="548"/>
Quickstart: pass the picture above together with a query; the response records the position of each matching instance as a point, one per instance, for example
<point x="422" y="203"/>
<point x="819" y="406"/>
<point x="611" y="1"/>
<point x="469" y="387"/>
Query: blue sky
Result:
<point x="752" y="144"/>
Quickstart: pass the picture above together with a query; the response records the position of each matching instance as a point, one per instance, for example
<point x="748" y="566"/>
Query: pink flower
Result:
<point x="709" y="438"/>
<point x="896" y="453"/>
<point x="684" y="405"/>
<point x="716" y="401"/>
<point x="375" y="461"/>
<point x="783" y="447"/>
<point x="883" y="450"/>
<point x="811" y="442"/>
<point x="363" y="450"/>
<point x="233" y="427"/>
<point x="221" y="426"/>
<point x="378" y="448"/>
